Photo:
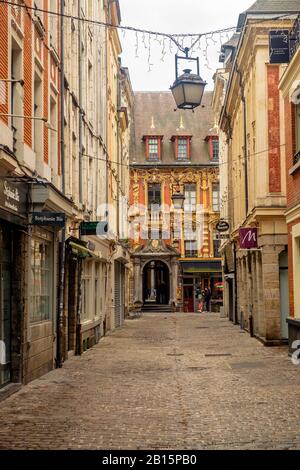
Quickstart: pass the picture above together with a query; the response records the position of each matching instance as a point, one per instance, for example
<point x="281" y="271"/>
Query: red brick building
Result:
<point x="290" y="88"/>
<point x="30" y="181"/>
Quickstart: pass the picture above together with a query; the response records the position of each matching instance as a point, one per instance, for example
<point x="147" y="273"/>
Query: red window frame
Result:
<point x="176" y="139"/>
<point x="147" y="139"/>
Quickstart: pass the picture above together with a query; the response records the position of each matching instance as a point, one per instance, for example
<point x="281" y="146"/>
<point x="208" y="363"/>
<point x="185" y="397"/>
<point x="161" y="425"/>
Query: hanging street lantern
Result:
<point x="178" y="198"/>
<point x="188" y="88"/>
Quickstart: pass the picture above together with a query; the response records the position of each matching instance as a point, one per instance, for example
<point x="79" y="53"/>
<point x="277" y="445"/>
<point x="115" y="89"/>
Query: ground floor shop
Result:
<point x="199" y="276"/>
<point x="256" y="286"/>
<point x="293" y="220"/>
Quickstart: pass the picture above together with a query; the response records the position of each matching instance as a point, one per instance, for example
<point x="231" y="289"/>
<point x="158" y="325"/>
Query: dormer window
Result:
<point x="153" y="147"/>
<point x="182" y="146"/>
<point x="182" y="149"/>
<point x="213" y="148"/>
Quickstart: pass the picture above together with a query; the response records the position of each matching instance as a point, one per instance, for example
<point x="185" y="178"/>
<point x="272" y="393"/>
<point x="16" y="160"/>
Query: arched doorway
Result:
<point x="156" y="283"/>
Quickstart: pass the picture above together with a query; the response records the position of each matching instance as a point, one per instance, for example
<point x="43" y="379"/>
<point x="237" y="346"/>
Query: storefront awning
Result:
<point x="201" y="267"/>
<point x="81" y="251"/>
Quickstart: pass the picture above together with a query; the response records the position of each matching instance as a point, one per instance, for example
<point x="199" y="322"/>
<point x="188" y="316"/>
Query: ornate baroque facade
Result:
<point x="174" y="152"/>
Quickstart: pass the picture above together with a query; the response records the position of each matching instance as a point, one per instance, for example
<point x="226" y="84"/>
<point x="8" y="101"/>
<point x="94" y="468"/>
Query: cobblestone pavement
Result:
<point x="163" y="382"/>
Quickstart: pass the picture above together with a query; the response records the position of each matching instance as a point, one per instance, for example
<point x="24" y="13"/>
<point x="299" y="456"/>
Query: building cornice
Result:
<point x="293" y="214"/>
<point x="173" y="166"/>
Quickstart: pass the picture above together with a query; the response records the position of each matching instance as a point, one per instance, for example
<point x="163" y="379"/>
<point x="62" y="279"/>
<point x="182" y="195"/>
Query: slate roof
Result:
<point x="155" y="115"/>
<point x="270" y="6"/>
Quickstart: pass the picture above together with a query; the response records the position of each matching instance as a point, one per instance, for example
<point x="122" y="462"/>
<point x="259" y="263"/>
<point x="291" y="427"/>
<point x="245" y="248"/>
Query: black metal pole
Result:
<point x="60" y="317"/>
<point x="235" y="286"/>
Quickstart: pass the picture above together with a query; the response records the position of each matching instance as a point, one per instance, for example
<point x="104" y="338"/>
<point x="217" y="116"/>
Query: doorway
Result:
<point x="5" y="306"/>
<point x="188" y="299"/>
<point x="156" y="283"/>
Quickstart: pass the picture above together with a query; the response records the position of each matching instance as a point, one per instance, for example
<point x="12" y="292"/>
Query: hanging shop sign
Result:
<point x="93" y="228"/>
<point x="13" y="197"/>
<point x="279" y="42"/>
<point x="248" y="238"/>
<point x="222" y="226"/>
<point x="50" y="219"/>
<point x="221" y="236"/>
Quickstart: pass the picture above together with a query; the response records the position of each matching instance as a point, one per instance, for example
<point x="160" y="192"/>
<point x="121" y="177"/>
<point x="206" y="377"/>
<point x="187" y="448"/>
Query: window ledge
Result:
<point x="39" y="26"/>
<point x="54" y="54"/>
<point x="294" y="168"/>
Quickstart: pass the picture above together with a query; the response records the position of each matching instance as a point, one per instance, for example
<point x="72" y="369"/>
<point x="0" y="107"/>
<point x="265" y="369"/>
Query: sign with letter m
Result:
<point x="248" y="238"/>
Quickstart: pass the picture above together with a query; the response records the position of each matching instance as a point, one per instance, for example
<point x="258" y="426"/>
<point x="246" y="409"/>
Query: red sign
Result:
<point x="248" y="238"/>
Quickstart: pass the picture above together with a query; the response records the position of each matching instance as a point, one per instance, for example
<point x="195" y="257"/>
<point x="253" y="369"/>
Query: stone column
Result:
<point x="254" y="293"/>
<point x="137" y="280"/>
<point x="173" y="282"/>
<point x="271" y="290"/>
<point x="259" y="289"/>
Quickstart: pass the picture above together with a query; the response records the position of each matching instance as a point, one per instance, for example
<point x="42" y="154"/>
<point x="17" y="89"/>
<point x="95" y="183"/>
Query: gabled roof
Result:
<point x="270" y="6"/>
<point x="155" y="116"/>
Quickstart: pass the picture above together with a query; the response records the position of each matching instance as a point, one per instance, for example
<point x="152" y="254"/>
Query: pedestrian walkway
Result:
<point x="177" y="381"/>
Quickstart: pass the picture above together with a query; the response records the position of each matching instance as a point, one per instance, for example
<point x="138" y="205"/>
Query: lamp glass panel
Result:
<point x="193" y="92"/>
<point x="178" y="94"/>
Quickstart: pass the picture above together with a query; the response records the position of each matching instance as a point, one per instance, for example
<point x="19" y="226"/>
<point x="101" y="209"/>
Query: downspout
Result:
<point x="80" y="103"/>
<point x="107" y="126"/>
<point x="62" y="247"/>
<point x="242" y="88"/>
<point x="78" y="347"/>
<point x="118" y="154"/>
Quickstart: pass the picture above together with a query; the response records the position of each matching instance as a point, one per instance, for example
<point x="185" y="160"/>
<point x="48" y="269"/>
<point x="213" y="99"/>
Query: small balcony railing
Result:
<point x="295" y="37"/>
<point x="296" y="158"/>
<point x="14" y="139"/>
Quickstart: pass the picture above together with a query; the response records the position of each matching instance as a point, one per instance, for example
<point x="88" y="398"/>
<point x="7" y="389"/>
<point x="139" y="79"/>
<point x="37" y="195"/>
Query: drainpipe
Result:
<point x="62" y="250"/>
<point x="242" y="88"/>
<point x="80" y="103"/>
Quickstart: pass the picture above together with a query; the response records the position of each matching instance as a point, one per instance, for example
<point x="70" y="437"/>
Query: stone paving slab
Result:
<point x="177" y="381"/>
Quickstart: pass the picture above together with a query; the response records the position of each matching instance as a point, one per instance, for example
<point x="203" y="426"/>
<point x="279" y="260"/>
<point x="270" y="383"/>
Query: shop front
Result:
<point x="49" y="211"/>
<point x="197" y="277"/>
<point x="13" y="209"/>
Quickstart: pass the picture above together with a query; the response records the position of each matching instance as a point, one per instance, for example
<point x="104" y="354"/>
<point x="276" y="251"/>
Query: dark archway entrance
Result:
<point x="156" y="283"/>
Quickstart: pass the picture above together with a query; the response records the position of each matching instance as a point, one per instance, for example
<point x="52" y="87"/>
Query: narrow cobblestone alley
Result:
<point x="163" y="382"/>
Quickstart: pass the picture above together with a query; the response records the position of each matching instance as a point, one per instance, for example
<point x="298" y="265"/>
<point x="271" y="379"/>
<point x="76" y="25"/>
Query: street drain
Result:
<point x="175" y="355"/>
<point x="218" y="355"/>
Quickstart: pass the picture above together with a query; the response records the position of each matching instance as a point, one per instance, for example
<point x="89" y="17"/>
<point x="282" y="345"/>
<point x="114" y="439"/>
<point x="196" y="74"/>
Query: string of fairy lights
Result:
<point x="197" y="43"/>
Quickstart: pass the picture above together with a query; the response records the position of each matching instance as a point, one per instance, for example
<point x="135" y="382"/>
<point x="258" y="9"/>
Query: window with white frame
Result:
<point x="40" y="285"/>
<point x="215" y="150"/>
<point x="216" y="197"/>
<point x="86" y="291"/>
<point x="182" y="153"/>
<point x="97" y="290"/>
<point x="190" y="202"/>
<point x="153" y="149"/>
<point x="191" y="248"/>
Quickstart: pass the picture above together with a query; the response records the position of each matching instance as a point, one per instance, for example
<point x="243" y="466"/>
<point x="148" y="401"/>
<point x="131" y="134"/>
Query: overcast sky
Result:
<point x="173" y="16"/>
